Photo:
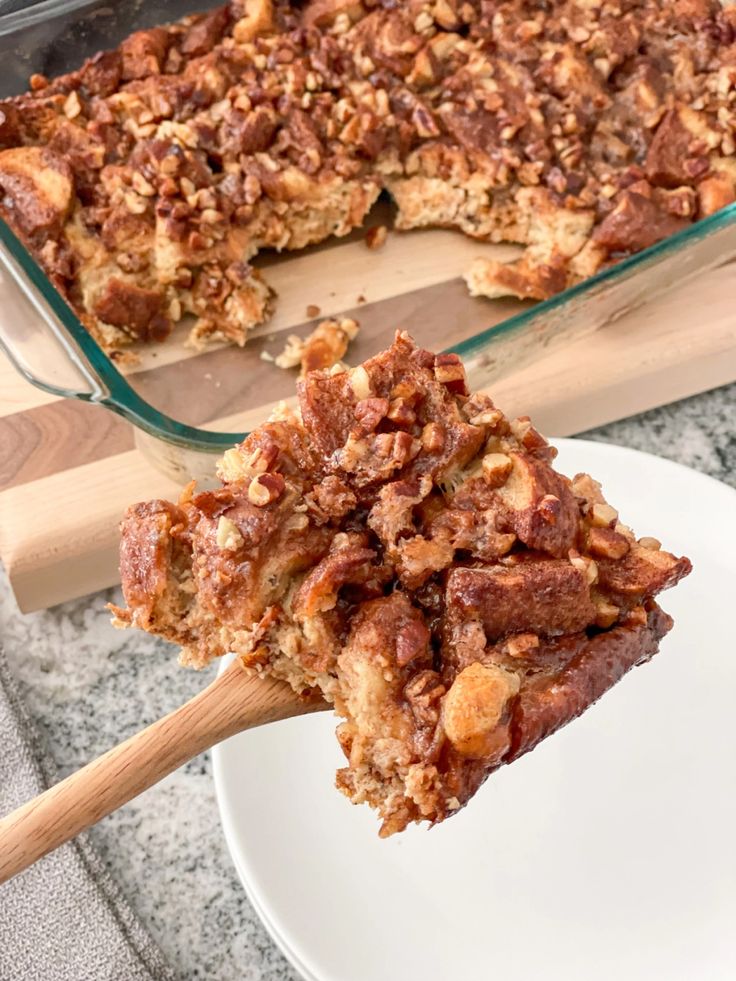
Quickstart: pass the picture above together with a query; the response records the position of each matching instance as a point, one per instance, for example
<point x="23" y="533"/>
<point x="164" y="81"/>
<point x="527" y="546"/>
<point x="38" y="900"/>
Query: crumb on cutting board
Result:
<point x="323" y="348"/>
<point x="375" y="237"/>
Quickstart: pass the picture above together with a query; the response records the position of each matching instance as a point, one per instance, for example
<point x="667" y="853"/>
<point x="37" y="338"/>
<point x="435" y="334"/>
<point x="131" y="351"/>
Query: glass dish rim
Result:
<point x="26" y="17"/>
<point x="672" y="243"/>
<point x="119" y="396"/>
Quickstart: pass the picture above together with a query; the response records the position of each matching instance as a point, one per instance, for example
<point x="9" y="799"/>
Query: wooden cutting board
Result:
<point x="68" y="469"/>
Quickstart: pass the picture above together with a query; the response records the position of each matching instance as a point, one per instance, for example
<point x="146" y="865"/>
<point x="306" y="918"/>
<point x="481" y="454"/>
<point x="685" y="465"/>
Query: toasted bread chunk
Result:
<point x="37" y="188"/>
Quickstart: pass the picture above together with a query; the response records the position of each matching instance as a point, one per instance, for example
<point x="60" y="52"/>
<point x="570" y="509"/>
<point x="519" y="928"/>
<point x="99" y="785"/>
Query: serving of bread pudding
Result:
<point x="400" y="546"/>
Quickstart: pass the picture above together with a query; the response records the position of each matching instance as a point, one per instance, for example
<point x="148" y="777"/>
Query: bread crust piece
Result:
<point x="597" y="665"/>
<point x="163" y="167"/>
<point x="405" y="549"/>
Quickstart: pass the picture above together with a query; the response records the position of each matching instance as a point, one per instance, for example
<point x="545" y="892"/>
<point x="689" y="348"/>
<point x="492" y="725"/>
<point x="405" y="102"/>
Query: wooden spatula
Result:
<point x="232" y="703"/>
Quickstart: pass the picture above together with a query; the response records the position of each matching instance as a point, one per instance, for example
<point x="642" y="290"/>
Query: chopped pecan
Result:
<point x="433" y="438"/>
<point x="449" y="371"/>
<point x="256" y="130"/>
<point x="265" y="488"/>
<point x="377" y="456"/>
<point x="368" y="413"/>
<point x="496" y="468"/>
<point x="401" y="413"/>
<point x="606" y="543"/>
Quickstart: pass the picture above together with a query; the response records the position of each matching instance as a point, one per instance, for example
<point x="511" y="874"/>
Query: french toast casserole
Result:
<point x="586" y="130"/>
<point x="403" y="548"/>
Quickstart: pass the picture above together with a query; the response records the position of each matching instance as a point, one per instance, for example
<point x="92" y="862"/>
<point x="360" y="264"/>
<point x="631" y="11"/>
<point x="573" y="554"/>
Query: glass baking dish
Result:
<point x="185" y="404"/>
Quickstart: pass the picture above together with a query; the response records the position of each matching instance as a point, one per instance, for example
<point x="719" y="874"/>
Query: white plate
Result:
<point x="607" y="853"/>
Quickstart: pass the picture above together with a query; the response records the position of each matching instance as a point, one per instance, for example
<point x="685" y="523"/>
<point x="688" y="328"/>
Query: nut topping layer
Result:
<point x="452" y="595"/>
<point x="146" y="181"/>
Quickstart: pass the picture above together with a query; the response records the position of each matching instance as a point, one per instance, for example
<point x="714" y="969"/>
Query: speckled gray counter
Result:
<point x="89" y="686"/>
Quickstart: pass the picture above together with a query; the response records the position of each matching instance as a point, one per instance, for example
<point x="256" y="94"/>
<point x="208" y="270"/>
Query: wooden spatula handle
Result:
<point x="233" y="702"/>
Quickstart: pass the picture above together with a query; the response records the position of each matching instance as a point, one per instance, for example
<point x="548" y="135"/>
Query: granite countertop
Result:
<point x="89" y="686"/>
